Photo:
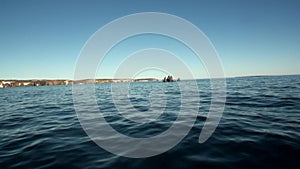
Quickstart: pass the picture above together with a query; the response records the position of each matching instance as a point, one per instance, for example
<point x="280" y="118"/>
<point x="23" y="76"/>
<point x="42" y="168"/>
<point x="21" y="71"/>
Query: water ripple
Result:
<point x="259" y="128"/>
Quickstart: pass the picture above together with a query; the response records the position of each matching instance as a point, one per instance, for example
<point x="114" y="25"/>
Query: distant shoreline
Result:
<point x="4" y="83"/>
<point x="16" y="79"/>
<point x="21" y="83"/>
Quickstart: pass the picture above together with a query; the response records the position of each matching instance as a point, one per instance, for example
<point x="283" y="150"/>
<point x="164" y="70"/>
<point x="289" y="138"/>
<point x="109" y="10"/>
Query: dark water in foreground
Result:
<point x="259" y="128"/>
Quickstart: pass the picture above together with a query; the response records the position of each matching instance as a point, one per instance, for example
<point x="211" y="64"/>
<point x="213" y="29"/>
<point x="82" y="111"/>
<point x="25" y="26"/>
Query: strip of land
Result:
<point x="19" y="83"/>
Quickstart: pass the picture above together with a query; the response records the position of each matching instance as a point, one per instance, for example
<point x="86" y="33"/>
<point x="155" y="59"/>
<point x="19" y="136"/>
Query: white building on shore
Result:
<point x="6" y="82"/>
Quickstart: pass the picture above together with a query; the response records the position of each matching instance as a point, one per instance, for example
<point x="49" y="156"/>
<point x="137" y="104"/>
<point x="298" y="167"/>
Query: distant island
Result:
<point x="19" y="83"/>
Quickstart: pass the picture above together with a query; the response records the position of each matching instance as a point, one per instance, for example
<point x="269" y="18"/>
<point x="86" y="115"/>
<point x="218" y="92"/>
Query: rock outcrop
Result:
<point x="168" y="79"/>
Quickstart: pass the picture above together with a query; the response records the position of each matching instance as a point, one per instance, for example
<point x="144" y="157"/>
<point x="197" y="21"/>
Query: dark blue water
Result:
<point x="259" y="128"/>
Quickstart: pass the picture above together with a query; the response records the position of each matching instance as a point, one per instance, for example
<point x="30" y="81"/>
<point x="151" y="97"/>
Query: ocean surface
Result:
<point x="260" y="127"/>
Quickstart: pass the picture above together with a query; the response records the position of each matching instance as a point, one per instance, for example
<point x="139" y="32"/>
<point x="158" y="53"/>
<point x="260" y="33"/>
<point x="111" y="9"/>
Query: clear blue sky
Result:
<point x="42" y="39"/>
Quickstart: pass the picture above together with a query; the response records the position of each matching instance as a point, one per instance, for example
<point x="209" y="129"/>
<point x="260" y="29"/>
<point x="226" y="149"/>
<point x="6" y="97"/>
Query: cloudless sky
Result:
<point x="41" y="39"/>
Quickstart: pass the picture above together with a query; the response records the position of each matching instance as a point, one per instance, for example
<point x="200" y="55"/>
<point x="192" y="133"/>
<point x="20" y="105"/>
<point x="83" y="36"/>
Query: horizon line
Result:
<point x="19" y="79"/>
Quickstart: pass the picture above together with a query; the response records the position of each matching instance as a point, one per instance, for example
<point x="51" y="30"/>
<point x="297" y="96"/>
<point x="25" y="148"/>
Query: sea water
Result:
<point x="39" y="127"/>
